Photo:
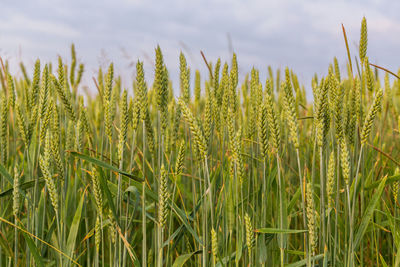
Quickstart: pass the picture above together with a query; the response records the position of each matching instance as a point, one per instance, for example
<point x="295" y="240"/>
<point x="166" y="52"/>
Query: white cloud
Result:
<point x="304" y="35"/>
<point x="25" y="24"/>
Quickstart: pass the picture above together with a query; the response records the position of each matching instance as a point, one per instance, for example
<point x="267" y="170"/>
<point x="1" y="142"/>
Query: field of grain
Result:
<point x="228" y="172"/>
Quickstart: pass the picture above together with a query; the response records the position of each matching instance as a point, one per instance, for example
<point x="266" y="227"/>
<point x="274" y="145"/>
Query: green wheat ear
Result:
<point x="46" y="120"/>
<point x="368" y="75"/>
<point x="55" y="152"/>
<point x="273" y="123"/>
<point x="233" y="142"/>
<point x="216" y="76"/>
<point x="331" y="180"/>
<point x="4" y="129"/>
<point x="134" y="113"/>
<point x="141" y="90"/>
<point x="161" y="87"/>
<point x="112" y="226"/>
<point x="290" y="110"/>
<point x="197" y="86"/>
<point x="107" y="101"/>
<point x="225" y="92"/>
<point x="44" y="92"/>
<point x="73" y="65"/>
<point x="180" y="159"/>
<point x="44" y="163"/>
<point x="396" y="186"/>
<point x="124" y="125"/>
<point x="264" y="130"/>
<point x="22" y="125"/>
<point x="97" y="191"/>
<point x="81" y="69"/>
<point x="35" y="85"/>
<point x="250" y="240"/>
<point x="11" y="89"/>
<point x="376" y="106"/>
<point x="199" y="139"/>
<point x="163" y="197"/>
<point x="208" y="120"/>
<point x="84" y="118"/>
<point x="63" y="96"/>
<point x="363" y="39"/>
<point x="312" y="224"/>
<point x="337" y="69"/>
<point x="100" y="81"/>
<point x="184" y="78"/>
<point x="24" y="73"/>
<point x="149" y="133"/>
<point x="322" y="119"/>
<point x="214" y="243"/>
<point x="345" y="160"/>
<point x="176" y="123"/>
<point x="16" y="194"/>
<point x="234" y="99"/>
<point x="98" y="233"/>
<point x="234" y="71"/>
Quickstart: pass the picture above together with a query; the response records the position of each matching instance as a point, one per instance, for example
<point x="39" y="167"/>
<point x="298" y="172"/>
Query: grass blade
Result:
<point x="75" y="226"/>
<point x="23" y="186"/>
<point x="278" y="231"/>
<point x="103" y="165"/>
<point x="366" y="218"/>
<point x="180" y="261"/>
<point x="34" y="250"/>
<point x="304" y="262"/>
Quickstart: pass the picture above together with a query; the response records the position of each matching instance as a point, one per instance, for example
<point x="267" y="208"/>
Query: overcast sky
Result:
<point x="304" y="35"/>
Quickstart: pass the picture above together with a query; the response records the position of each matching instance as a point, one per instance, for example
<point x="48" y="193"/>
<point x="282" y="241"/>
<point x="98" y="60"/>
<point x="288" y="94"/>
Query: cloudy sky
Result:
<point x="304" y="35"/>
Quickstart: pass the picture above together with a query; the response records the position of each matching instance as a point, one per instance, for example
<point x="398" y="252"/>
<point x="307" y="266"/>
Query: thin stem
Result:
<point x="336" y="205"/>
<point x="354" y="204"/>
<point x="303" y="201"/>
<point x="280" y="209"/>
<point x="322" y="199"/>
<point x="144" y="233"/>
<point x="59" y="236"/>
<point x="350" y="254"/>
<point x="15" y="242"/>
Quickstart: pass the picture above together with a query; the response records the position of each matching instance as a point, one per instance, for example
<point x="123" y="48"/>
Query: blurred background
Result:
<point x="304" y="35"/>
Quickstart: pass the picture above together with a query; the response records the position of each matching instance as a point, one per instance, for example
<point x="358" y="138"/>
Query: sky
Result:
<point x="303" y="35"/>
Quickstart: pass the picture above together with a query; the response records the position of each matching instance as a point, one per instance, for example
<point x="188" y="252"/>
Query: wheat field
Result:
<point x="215" y="171"/>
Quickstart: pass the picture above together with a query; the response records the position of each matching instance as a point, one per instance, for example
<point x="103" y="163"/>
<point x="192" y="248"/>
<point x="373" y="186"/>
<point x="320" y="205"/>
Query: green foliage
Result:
<point x="244" y="173"/>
